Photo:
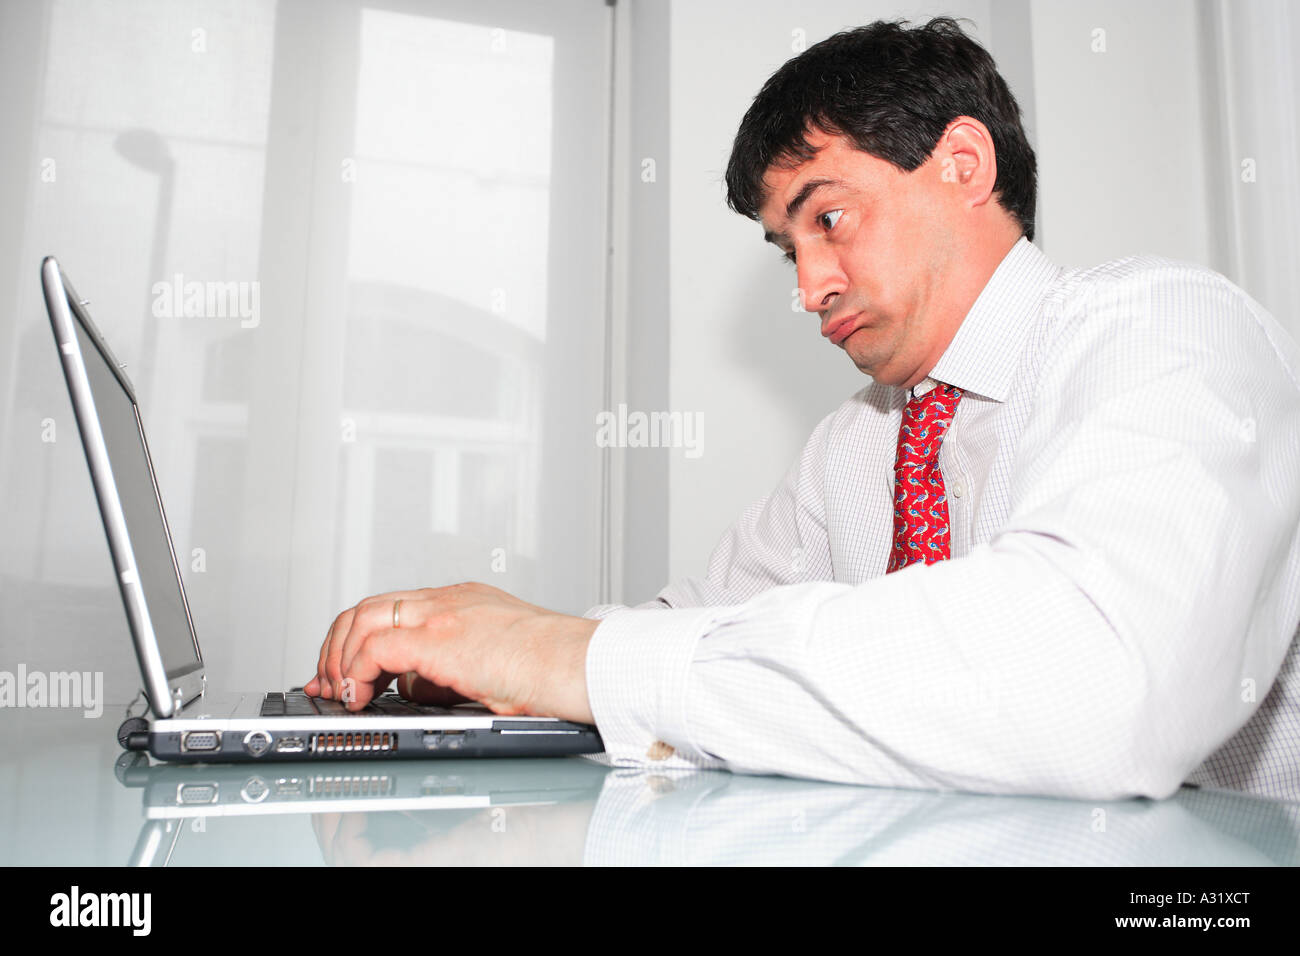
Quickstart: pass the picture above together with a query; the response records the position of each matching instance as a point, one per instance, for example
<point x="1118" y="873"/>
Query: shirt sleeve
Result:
<point x="1096" y="647"/>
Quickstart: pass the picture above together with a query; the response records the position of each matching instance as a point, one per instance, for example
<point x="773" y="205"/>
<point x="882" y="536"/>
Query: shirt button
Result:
<point x="659" y="751"/>
<point x="958" y="489"/>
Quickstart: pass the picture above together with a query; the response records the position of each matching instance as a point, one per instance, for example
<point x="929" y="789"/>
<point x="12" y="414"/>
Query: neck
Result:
<point x="978" y="261"/>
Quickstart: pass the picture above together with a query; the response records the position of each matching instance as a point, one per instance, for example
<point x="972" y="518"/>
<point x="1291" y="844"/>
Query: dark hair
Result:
<point x="892" y="92"/>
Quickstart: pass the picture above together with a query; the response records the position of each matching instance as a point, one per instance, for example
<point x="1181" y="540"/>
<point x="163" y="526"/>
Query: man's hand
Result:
<point x="470" y="640"/>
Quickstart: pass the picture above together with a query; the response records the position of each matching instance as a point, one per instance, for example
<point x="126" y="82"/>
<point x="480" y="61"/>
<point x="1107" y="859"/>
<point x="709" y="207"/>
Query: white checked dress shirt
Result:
<point x="1123" y="476"/>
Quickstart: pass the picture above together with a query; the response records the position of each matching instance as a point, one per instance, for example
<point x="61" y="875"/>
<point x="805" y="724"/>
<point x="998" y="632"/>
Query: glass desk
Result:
<point x="70" y="796"/>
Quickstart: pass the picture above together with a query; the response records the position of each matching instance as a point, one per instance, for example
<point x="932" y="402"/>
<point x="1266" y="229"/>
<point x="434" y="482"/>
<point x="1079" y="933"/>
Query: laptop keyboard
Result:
<point x="298" y="704"/>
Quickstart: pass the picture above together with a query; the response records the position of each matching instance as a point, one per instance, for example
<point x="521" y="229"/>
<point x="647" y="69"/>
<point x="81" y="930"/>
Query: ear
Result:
<point x="968" y="159"/>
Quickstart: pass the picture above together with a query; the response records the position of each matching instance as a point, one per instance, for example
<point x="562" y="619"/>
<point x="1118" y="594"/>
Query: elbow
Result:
<point x="1151" y="751"/>
<point x="1144" y="750"/>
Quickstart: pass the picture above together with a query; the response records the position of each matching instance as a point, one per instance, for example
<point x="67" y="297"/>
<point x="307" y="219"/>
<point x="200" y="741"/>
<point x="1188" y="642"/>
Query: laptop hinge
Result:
<point x="177" y="700"/>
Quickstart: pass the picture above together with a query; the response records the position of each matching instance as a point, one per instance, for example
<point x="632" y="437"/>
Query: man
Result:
<point x="1053" y="548"/>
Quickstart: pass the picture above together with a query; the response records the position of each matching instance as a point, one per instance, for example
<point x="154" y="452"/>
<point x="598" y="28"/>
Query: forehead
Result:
<point x="837" y="160"/>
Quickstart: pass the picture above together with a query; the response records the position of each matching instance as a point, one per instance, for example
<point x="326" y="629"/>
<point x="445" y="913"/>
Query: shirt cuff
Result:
<point x="602" y="611"/>
<point x="637" y="665"/>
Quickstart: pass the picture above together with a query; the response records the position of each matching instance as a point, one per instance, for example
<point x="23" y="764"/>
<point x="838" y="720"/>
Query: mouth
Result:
<point x="841" y="329"/>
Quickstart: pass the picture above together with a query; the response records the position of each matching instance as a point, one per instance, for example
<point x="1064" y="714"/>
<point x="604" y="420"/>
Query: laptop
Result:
<point x="187" y="720"/>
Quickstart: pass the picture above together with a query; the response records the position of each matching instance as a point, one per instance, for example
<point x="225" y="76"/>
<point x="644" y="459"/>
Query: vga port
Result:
<point x="196" y="793"/>
<point x="193" y="741"/>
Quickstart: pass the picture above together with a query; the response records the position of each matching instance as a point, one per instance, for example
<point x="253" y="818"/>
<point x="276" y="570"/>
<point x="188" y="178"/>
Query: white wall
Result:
<point x="1173" y="127"/>
<point x="1255" y="105"/>
<point x="1121" y="131"/>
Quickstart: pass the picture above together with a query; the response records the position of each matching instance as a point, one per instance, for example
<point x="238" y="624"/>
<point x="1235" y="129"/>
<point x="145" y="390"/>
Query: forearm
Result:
<point x="993" y="674"/>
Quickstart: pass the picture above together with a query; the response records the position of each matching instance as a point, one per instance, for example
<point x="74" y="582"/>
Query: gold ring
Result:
<point x="397" y="609"/>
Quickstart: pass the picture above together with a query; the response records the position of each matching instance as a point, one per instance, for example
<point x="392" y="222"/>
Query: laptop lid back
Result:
<point x="121" y="470"/>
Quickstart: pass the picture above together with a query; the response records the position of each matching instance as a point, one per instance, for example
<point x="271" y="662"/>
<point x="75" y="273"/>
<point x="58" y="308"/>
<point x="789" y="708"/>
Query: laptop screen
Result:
<point x="141" y="505"/>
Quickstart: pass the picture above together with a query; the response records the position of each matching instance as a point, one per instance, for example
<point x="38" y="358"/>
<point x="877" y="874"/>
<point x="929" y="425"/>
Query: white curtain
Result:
<point x="1254" y="46"/>
<point x="392" y="214"/>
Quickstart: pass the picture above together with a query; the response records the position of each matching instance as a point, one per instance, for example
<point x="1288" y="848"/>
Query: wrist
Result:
<point x="562" y="648"/>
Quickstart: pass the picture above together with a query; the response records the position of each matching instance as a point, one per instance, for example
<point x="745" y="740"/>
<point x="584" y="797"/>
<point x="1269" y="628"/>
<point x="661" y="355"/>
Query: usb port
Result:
<point x="288" y="787"/>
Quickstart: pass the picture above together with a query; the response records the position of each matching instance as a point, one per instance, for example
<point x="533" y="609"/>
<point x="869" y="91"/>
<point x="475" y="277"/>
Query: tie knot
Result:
<point x="925" y="421"/>
<point x="938" y="405"/>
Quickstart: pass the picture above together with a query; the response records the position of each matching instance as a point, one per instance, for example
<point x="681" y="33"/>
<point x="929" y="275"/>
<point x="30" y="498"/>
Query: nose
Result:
<point x="820" y="277"/>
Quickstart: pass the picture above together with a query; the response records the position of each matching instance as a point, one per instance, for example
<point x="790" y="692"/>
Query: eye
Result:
<point x="827" y="220"/>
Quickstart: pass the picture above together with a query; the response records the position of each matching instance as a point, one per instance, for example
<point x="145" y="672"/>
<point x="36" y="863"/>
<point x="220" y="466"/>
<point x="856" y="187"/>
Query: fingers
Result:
<point x="373" y="653"/>
<point x="371" y="609"/>
<point x="321" y="685"/>
<point x="366" y="617"/>
<point x="362" y="616"/>
<point x="356" y="694"/>
<point x="415" y="613"/>
<point x="414" y="687"/>
<point x="380" y="655"/>
<point x="350" y="670"/>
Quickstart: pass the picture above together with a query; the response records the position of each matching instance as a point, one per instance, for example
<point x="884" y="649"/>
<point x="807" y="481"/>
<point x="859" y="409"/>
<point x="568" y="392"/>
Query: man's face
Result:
<point x="872" y="246"/>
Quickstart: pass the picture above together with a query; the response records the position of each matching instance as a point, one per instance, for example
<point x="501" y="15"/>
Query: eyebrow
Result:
<point x="802" y="196"/>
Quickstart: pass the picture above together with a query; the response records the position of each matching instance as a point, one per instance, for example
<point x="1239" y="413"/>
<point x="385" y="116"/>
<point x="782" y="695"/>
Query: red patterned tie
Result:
<point x="920" y="503"/>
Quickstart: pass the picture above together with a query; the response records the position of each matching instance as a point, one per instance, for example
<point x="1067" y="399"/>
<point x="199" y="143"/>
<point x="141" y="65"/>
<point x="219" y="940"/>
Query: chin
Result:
<point x="868" y="362"/>
<point x="879" y="376"/>
<point x="867" y="367"/>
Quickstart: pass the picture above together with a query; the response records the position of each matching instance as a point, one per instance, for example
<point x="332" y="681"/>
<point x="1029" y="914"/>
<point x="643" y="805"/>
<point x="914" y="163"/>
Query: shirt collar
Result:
<point x="984" y="354"/>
